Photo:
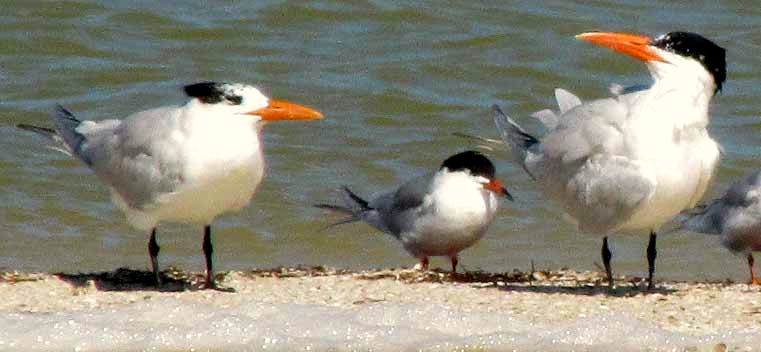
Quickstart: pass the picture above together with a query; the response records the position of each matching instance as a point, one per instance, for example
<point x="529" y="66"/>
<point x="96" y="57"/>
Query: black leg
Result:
<point x="153" y="251"/>
<point x="454" y="263"/>
<point x="651" y="253"/>
<point x="606" y="255"/>
<point x="753" y="278"/>
<point x="208" y="250"/>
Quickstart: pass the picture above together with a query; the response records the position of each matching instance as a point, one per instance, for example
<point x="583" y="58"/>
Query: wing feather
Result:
<point x="137" y="157"/>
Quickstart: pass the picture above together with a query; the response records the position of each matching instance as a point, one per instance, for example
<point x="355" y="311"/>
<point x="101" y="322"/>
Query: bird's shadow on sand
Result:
<point x="124" y="279"/>
<point x="586" y="289"/>
<point x="549" y="282"/>
<point x="567" y="283"/>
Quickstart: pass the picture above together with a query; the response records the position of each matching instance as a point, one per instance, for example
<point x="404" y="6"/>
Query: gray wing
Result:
<point x="412" y="194"/>
<point x="136" y="157"/>
<point x="737" y="209"/>
<point x="584" y="162"/>
<point x="566" y="101"/>
<point x="746" y="192"/>
<point x="397" y="209"/>
<point x="740" y="215"/>
<point x="605" y="191"/>
<point x="587" y="129"/>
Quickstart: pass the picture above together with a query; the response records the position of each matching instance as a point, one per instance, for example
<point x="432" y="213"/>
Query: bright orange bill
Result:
<point x="283" y="110"/>
<point x="497" y="187"/>
<point x="636" y="46"/>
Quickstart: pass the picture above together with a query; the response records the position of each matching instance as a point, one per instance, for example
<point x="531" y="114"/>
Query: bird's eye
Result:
<point x="234" y="99"/>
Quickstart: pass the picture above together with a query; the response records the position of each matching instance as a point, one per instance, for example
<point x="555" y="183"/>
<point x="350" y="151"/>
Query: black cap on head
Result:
<point x="475" y="162"/>
<point x="212" y="93"/>
<point x="712" y="56"/>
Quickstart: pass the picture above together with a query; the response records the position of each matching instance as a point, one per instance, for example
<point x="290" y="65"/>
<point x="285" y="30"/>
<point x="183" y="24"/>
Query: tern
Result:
<point x="187" y="163"/>
<point x="436" y="214"/>
<point x="632" y="161"/>
<point x="735" y="216"/>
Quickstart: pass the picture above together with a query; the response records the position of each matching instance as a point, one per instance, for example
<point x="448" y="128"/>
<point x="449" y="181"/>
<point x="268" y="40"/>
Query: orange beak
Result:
<point x="283" y="110"/>
<point x="496" y="187"/>
<point x="636" y="46"/>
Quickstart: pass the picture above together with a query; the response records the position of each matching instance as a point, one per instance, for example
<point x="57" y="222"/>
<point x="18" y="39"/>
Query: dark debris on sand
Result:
<point x="560" y="281"/>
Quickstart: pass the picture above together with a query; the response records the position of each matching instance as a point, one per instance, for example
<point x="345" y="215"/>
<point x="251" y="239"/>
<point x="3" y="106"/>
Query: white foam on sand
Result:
<point x="168" y="324"/>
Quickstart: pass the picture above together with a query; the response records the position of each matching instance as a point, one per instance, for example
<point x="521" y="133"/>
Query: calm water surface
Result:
<point x="394" y="80"/>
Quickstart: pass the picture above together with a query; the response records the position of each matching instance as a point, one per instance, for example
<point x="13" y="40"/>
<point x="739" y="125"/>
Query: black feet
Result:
<point x="208" y="250"/>
<point x="153" y="251"/>
<point x="754" y="280"/>
<point x="606" y="255"/>
<point x="651" y="253"/>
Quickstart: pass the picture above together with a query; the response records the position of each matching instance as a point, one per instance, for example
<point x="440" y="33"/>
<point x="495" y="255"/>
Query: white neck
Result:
<point x="682" y="86"/>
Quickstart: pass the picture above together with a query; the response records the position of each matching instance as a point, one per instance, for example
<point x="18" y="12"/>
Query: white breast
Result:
<point x="222" y="167"/>
<point x="453" y="217"/>
<point x="683" y="157"/>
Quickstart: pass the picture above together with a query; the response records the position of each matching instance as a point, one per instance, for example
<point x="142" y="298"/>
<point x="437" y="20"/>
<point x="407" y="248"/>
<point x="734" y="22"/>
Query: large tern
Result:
<point x="633" y="161"/>
<point x="187" y="163"/>
<point x="436" y="214"/>
<point x="736" y="217"/>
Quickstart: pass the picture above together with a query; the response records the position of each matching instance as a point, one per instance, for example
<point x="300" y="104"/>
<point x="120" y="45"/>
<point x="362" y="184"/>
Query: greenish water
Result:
<point x="394" y="80"/>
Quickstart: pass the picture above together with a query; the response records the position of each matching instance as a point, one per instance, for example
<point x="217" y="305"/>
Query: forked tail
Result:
<point x="66" y="125"/>
<point x="514" y="136"/>
<point x="67" y="139"/>
<point x="354" y="206"/>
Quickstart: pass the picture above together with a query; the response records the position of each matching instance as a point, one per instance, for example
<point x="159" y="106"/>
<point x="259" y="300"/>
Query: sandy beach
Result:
<point x="493" y="311"/>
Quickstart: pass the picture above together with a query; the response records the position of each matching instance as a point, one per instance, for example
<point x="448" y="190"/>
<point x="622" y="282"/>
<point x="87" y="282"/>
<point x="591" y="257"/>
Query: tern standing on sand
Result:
<point x="633" y="161"/>
<point x="186" y="163"/>
<point x="437" y="214"/>
<point x="736" y="217"/>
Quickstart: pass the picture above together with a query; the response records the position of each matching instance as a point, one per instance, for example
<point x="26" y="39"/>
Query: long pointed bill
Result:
<point x="283" y="110"/>
<point x="636" y="46"/>
<point x="496" y="187"/>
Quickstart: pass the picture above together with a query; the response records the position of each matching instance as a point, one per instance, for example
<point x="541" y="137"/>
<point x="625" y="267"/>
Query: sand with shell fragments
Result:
<point x="400" y="309"/>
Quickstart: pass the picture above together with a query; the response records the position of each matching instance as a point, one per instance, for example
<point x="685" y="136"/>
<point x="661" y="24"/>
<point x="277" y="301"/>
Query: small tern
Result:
<point x="736" y="217"/>
<point x="633" y="161"/>
<point x="188" y="163"/>
<point x="436" y="214"/>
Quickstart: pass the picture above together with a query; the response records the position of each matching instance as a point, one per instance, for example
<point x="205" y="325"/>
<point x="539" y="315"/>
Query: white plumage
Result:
<point x="632" y="161"/>
<point x="436" y="214"/>
<point x="187" y="163"/>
